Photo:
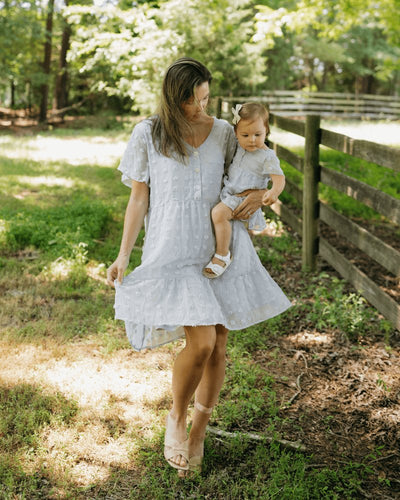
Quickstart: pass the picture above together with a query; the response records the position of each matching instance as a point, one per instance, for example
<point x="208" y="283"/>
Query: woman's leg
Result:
<point x="208" y="391"/>
<point x="188" y="370"/>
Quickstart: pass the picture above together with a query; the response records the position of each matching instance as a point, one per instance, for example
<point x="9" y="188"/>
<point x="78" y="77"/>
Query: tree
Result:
<point x="44" y="90"/>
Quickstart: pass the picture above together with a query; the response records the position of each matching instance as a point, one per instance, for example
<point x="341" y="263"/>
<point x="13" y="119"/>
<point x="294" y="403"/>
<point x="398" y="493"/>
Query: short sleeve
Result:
<point x="135" y="161"/>
<point x="272" y="165"/>
<point x="230" y="146"/>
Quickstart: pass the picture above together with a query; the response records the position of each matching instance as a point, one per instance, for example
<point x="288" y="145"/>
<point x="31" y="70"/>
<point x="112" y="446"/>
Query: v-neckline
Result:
<point x="205" y="140"/>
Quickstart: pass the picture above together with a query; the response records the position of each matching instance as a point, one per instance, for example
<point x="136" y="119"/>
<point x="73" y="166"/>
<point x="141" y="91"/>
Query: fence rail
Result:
<point x="299" y="103"/>
<point x="314" y="211"/>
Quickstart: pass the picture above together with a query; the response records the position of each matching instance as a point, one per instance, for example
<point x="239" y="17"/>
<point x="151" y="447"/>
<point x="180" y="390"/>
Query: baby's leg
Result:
<point x="221" y="216"/>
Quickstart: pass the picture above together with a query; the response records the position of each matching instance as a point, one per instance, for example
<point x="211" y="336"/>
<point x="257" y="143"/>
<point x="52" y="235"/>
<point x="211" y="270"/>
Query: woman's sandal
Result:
<point x="196" y="461"/>
<point x="174" y="448"/>
<point x="216" y="269"/>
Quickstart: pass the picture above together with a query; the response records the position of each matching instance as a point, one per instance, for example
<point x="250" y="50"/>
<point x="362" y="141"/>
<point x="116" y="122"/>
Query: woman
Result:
<point x="174" y="164"/>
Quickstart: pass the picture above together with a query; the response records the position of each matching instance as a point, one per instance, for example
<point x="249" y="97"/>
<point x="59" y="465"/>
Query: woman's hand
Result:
<point x="250" y="204"/>
<point x="117" y="269"/>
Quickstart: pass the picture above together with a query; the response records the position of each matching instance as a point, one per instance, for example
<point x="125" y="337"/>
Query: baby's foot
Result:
<point x="217" y="265"/>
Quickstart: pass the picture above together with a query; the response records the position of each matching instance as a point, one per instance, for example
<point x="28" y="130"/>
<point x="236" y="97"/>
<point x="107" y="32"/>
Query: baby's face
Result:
<point x="251" y="134"/>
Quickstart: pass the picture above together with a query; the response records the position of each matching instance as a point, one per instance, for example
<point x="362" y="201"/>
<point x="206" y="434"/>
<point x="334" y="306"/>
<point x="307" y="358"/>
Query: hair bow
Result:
<point x="236" y="116"/>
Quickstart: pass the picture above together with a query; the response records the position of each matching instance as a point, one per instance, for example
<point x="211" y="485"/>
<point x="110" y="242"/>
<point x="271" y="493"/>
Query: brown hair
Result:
<point x="170" y="124"/>
<point x="251" y="111"/>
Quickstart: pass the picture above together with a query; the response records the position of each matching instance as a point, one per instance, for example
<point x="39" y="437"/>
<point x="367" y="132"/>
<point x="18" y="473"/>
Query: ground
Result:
<point x="82" y="414"/>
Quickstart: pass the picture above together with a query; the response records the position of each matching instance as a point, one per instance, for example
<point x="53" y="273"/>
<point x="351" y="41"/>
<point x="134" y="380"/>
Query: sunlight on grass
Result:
<point x="387" y="133"/>
<point x="46" y="181"/>
<point x="307" y="338"/>
<point x="91" y="150"/>
<point x="116" y="397"/>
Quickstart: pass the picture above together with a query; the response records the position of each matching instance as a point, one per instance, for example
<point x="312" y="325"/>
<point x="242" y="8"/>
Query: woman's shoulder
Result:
<point x="143" y="127"/>
<point x="221" y="124"/>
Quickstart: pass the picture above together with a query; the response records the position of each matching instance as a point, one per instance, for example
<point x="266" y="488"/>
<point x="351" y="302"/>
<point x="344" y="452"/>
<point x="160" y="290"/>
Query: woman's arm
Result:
<point x="134" y="217"/>
<point x="250" y="204"/>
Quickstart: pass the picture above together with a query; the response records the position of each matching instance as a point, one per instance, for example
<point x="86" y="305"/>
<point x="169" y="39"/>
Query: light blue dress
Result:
<point x="168" y="291"/>
<point x="249" y="170"/>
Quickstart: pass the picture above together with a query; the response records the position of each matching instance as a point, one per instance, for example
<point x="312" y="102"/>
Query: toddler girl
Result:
<point x="252" y="167"/>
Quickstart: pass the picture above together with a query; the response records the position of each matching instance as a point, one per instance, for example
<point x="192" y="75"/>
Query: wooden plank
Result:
<point x="338" y="108"/>
<point x="375" y="248"/>
<point x="372" y="116"/>
<point x="287" y="216"/>
<point x="295" y="126"/>
<point x="364" y="285"/>
<point x="310" y="194"/>
<point x="372" y="197"/>
<point x="332" y="95"/>
<point x="285" y="154"/>
<point x="294" y="190"/>
<point x="369" y="151"/>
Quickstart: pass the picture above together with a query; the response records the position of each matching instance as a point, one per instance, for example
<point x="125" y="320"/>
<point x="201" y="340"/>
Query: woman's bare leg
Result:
<point x="188" y="370"/>
<point x="208" y="391"/>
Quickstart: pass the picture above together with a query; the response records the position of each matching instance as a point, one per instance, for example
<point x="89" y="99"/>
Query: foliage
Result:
<point x="333" y="308"/>
<point x="120" y="50"/>
<point x="128" y="56"/>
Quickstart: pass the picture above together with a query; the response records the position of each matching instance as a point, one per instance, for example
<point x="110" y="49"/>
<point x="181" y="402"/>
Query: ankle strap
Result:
<point x="202" y="408"/>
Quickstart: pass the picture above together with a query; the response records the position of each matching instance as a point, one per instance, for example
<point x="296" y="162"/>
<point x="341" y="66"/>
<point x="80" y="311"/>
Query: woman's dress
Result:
<point x="168" y="291"/>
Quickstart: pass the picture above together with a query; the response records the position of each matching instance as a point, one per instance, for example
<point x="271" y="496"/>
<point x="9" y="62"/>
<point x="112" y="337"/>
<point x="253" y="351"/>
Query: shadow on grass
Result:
<point x="24" y="411"/>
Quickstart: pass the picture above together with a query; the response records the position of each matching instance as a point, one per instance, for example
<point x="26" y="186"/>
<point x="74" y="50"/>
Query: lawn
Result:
<point x="82" y="414"/>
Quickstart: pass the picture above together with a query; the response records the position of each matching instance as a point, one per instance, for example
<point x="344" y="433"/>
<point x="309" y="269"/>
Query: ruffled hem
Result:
<point x="156" y="310"/>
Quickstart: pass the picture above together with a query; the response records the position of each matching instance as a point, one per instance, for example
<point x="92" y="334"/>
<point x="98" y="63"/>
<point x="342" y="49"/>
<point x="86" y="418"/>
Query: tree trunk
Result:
<point x="44" y="89"/>
<point x="12" y="88"/>
<point x="62" y="77"/>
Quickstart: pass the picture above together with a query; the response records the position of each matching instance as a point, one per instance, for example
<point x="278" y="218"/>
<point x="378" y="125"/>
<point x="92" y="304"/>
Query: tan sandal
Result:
<point x="173" y="448"/>
<point x="196" y="461"/>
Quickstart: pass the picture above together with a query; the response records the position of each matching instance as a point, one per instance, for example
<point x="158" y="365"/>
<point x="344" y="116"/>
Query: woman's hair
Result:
<point x="250" y="111"/>
<point x="170" y="124"/>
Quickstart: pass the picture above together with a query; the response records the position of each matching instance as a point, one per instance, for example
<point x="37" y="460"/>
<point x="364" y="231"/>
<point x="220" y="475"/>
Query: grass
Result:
<point x="382" y="178"/>
<point x="81" y="414"/>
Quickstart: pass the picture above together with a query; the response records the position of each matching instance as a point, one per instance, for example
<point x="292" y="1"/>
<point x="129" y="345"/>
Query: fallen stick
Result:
<point x="294" y="445"/>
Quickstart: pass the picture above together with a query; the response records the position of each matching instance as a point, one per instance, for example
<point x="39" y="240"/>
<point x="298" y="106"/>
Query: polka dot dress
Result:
<point x="168" y="291"/>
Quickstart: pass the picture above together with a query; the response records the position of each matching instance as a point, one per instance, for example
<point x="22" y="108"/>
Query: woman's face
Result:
<point x="194" y="107"/>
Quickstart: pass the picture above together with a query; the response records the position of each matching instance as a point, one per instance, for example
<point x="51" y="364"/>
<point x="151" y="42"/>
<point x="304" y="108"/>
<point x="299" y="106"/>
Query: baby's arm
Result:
<point x="278" y="183"/>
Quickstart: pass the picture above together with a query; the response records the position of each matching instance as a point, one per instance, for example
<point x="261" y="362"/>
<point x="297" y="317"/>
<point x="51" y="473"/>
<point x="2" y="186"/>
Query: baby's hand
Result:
<point x="269" y="197"/>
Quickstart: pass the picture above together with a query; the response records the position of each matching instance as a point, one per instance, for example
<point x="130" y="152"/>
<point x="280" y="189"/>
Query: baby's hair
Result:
<point x="251" y="111"/>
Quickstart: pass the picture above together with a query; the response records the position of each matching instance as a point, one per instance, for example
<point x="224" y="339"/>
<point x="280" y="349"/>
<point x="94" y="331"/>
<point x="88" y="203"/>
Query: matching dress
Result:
<point x="249" y="170"/>
<point x="168" y="290"/>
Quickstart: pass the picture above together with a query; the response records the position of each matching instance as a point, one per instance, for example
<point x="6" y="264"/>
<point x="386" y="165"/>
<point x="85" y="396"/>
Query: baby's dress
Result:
<point x="249" y="170"/>
<point x="168" y="291"/>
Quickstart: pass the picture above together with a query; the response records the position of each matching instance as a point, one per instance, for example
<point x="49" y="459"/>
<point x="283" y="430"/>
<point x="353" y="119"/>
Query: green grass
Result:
<point x="60" y="226"/>
<point x="382" y="178"/>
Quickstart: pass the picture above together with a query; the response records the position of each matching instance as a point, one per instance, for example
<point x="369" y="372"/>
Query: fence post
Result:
<point x="310" y="194"/>
<point x="219" y="107"/>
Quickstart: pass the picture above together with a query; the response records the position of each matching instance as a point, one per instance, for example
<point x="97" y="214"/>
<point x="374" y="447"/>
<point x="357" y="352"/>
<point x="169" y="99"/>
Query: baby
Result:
<point x="253" y="166"/>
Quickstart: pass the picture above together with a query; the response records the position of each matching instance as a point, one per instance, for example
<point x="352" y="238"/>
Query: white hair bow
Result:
<point x="236" y="116"/>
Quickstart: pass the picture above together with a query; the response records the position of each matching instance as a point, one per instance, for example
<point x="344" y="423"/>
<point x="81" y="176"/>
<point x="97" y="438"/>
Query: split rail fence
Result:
<point x="314" y="210"/>
<point x="299" y="103"/>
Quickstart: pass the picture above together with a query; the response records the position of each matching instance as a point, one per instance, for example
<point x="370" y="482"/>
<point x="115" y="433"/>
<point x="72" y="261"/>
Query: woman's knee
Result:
<point x="201" y="341"/>
<point x="219" y="351"/>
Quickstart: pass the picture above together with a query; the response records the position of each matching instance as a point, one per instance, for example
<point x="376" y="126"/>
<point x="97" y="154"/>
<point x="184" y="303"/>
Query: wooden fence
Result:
<point x="299" y="103"/>
<point x="313" y="210"/>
